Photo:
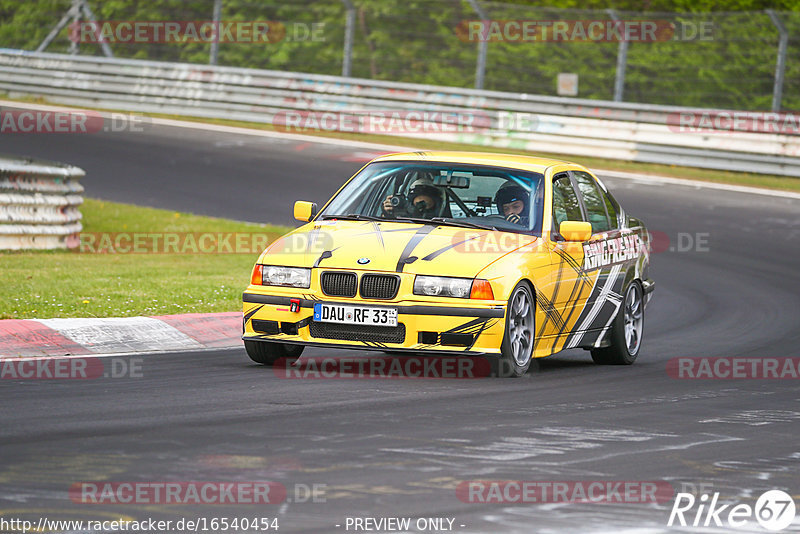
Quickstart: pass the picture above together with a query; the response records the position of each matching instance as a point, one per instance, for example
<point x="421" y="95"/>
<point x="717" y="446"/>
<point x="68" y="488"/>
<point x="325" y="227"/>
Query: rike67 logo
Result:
<point x="774" y="510"/>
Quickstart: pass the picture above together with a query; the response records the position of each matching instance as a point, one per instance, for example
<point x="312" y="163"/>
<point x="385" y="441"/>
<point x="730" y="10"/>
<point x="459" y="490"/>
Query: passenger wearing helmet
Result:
<point x="512" y="203"/>
<point x="424" y="201"/>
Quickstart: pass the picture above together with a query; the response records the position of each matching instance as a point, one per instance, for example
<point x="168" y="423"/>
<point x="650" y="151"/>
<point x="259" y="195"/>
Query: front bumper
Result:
<point x="425" y="326"/>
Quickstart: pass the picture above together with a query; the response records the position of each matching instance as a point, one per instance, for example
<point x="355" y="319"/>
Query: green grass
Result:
<point x="768" y="181"/>
<point x="50" y="284"/>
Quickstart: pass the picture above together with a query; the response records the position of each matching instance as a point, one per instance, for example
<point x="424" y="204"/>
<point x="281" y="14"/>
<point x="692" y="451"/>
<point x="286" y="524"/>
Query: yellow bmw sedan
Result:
<point x="507" y="257"/>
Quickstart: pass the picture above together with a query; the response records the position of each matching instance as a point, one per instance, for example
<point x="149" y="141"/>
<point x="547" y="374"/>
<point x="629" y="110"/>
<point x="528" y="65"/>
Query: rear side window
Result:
<point x="594" y="200"/>
<point x="566" y="206"/>
<point x="612" y="207"/>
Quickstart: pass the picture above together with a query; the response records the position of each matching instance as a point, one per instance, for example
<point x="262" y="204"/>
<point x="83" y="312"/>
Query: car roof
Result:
<point x="526" y="163"/>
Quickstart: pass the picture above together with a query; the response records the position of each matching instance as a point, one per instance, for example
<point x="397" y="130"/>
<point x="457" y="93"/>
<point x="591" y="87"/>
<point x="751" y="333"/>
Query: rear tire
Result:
<point x="626" y="330"/>
<point x="268" y="352"/>
<point x="516" y="351"/>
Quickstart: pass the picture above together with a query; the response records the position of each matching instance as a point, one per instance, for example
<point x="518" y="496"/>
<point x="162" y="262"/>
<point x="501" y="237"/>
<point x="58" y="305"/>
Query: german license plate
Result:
<point x="334" y="313"/>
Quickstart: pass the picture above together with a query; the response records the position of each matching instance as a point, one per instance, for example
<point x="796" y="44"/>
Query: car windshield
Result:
<point x="474" y="196"/>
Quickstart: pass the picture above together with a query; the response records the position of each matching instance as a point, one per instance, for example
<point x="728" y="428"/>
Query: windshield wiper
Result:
<point x="354" y="217"/>
<point x="446" y="222"/>
<point x="413" y="219"/>
<point x="464" y="224"/>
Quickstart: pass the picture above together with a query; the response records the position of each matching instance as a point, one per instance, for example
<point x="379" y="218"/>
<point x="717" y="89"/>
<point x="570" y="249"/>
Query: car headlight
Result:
<point x="272" y="275"/>
<point x="442" y="286"/>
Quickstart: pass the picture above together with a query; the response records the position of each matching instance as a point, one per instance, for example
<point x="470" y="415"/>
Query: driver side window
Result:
<point x="566" y="206"/>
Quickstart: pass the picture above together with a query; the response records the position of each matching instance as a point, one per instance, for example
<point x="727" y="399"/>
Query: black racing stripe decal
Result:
<point x="562" y="331"/>
<point x="589" y="335"/>
<point x="550" y="311"/>
<point x="575" y="337"/>
<point x="251" y="313"/>
<point x="584" y="278"/>
<point x="436" y="253"/>
<point x="485" y="326"/>
<point x="474" y="327"/>
<point x="572" y="297"/>
<point x="459" y="329"/>
<point x="574" y="264"/>
<point x="415" y="240"/>
<point x="468" y="327"/>
<point x="554" y="298"/>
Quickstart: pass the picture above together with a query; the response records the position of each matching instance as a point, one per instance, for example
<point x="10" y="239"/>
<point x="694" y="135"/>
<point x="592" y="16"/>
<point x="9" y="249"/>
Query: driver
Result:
<point x="424" y="201"/>
<point x="512" y="203"/>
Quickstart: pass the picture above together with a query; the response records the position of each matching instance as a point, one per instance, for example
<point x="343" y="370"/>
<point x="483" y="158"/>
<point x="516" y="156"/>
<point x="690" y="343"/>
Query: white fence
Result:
<point x="39" y="204"/>
<point x="625" y="131"/>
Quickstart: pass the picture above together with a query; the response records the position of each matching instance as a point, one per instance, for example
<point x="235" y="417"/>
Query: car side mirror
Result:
<point x="575" y="230"/>
<point x="304" y="211"/>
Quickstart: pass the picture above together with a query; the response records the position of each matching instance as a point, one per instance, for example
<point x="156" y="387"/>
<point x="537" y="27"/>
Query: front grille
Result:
<point x="338" y="284"/>
<point x="379" y="286"/>
<point x="354" y="332"/>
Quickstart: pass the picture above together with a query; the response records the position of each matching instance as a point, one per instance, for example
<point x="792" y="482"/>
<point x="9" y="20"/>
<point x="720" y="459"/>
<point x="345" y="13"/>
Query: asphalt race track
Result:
<point x="399" y="448"/>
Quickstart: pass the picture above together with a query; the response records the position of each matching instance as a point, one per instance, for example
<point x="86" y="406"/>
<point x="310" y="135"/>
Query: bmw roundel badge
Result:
<point x="363" y="261"/>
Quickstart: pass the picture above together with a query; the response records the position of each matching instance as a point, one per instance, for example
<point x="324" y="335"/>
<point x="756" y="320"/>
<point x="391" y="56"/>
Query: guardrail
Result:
<point x="617" y="130"/>
<point x="39" y="204"/>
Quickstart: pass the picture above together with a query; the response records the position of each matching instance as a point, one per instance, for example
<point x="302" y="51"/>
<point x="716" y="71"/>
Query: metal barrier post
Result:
<point x="89" y="14"/>
<point x="622" y="61"/>
<point x="780" y="64"/>
<point x="350" y="26"/>
<point x="212" y="55"/>
<point x="72" y="13"/>
<point x="483" y="45"/>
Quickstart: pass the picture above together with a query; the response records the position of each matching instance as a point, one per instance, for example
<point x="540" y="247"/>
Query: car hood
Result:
<point x="393" y="247"/>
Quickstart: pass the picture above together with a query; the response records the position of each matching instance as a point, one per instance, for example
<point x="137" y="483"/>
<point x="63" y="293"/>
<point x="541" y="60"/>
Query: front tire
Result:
<point x="626" y="330"/>
<point x="267" y="352"/>
<point x="517" y="347"/>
